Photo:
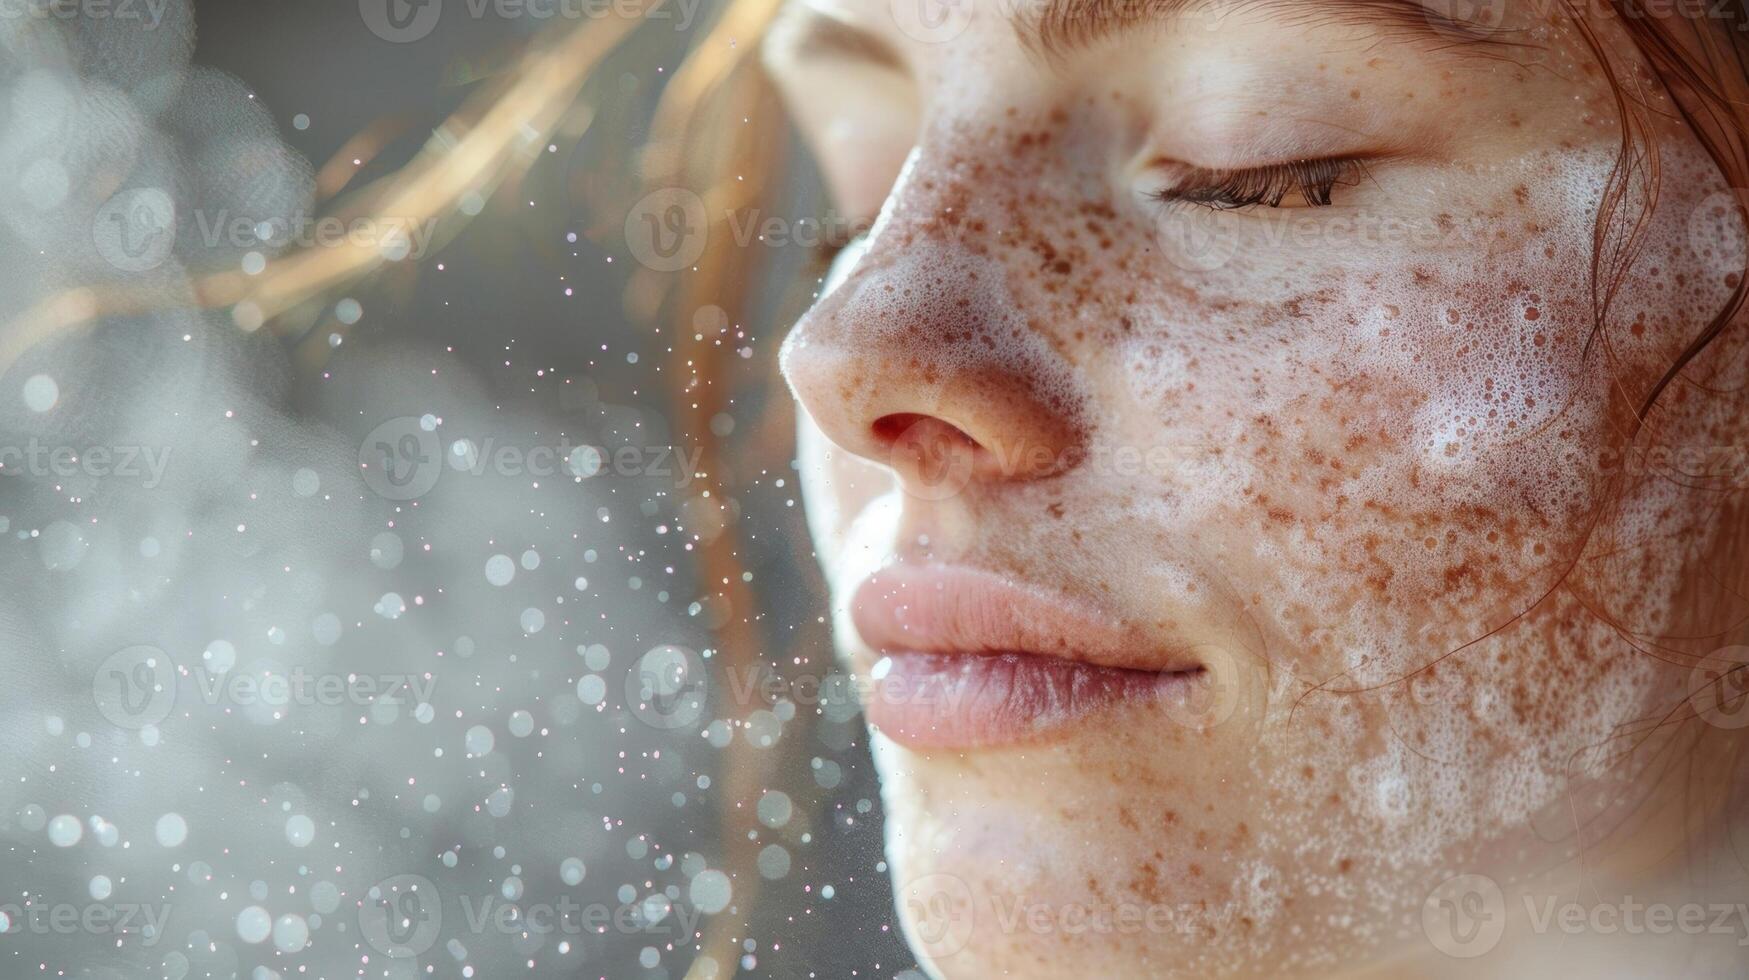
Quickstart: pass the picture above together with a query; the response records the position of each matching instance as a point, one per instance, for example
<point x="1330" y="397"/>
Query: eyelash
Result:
<point x="1230" y="190"/>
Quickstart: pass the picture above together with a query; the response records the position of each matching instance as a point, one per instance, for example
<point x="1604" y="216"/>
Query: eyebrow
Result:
<point x="1063" y="26"/>
<point x="1066" y="25"/>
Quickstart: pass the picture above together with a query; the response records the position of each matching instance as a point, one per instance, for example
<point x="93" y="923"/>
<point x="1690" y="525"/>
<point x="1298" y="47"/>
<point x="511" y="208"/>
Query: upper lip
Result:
<point x="956" y="609"/>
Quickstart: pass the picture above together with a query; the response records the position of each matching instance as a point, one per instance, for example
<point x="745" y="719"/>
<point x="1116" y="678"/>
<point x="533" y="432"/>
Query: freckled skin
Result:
<point x="1381" y="501"/>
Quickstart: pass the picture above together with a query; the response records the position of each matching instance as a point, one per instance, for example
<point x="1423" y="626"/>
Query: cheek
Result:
<point x="1421" y="441"/>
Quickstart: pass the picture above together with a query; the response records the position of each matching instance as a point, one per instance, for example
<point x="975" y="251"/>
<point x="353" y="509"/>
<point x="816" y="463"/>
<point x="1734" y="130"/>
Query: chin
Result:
<point x="1082" y="854"/>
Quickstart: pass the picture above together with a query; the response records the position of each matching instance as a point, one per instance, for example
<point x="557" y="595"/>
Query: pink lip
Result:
<point x="967" y="659"/>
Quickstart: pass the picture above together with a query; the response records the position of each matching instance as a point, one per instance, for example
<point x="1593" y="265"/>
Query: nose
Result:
<point x="922" y="361"/>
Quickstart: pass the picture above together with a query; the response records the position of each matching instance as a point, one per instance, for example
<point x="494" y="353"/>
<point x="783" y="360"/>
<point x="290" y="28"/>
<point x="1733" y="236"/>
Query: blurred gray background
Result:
<point x="371" y="643"/>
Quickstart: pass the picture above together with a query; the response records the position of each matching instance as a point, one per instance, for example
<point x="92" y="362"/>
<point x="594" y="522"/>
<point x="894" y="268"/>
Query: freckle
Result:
<point x="1354" y="94"/>
<point x="1532" y="313"/>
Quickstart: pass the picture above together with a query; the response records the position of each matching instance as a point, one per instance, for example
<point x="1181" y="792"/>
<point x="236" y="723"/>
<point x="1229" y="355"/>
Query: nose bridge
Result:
<point x="927" y="326"/>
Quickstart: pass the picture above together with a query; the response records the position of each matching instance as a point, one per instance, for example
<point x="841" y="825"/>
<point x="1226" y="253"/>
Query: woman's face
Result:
<point x="1225" y="490"/>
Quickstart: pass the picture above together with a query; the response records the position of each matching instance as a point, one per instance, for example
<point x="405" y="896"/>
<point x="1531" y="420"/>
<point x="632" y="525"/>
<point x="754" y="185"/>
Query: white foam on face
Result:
<point x="1395" y="457"/>
<point x="1487" y="426"/>
<point x="924" y="296"/>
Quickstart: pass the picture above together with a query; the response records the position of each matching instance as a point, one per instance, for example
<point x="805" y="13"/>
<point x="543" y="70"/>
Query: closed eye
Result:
<point x="1295" y="183"/>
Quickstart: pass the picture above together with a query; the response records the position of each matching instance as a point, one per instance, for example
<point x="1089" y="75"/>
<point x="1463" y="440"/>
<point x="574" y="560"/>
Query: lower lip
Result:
<point x="958" y="700"/>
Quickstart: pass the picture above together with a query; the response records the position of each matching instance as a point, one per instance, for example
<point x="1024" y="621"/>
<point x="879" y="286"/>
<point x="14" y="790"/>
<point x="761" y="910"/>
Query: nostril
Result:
<point x="934" y="458"/>
<point x="910" y="427"/>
